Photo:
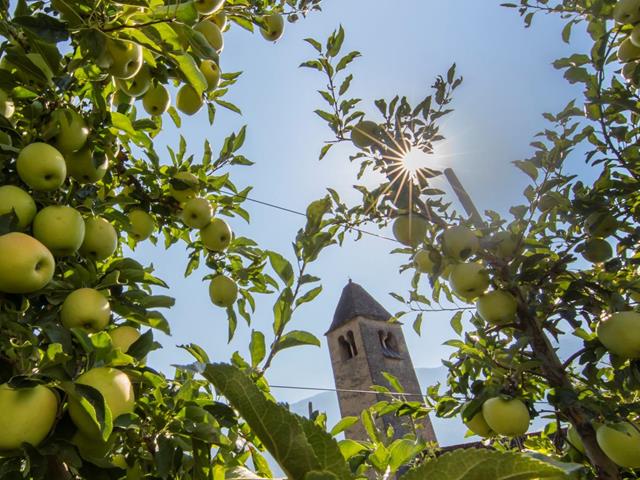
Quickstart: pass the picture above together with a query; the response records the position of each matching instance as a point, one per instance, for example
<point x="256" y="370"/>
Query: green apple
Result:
<point x="7" y="107"/>
<point x="122" y="58"/>
<point x="410" y="229"/>
<point x="207" y="7"/>
<point x="574" y="439"/>
<point x="365" y="134"/>
<point x="142" y="224"/>
<point x="596" y="250"/>
<point x="620" y="334"/>
<point x="497" y="307"/>
<point x="621" y="443"/>
<point x="627" y="11"/>
<point x="197" y="213"/>
<point x="28" y="415"/>
<point x="72" y="130"/>
<point x="41" y="166"/>
<point x="469" y="280"/>
<point x="123" y="337"/>
<point x="426" y="261"/>
<point x="627" y="51"/>
<point x="184" y="186"/>
<point x="220" y="19"/>
<point x="223" y="291"/>
<point x="138" y="85"/>
<point x="117" y="391"/>
<point x="86" y="308"/>
<point x="601" y="224"/>
<point x="216" y="236"/>
<point x="86" y="167"/>
<point x="273" y="27"/>
<point x="60" y="229"/>
<point x="100" y="239"/>
<point x="459" y="242"/>
<point x="188" y="101"/>
<point x="15" y="199"/>
<point x="157" y="100"/>
<point x="212" y="33"/>
<point x="477" y="424"/>
<point x="506" y="417"/>
<point x="26" y="265"/>
<point x="211" y="72"/>
<point x="504" y="244"/>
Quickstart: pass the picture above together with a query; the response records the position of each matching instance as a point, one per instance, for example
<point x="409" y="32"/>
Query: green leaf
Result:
<point x="402" y="451"/>
<point x="527" y="167"/>
<point x="346" y="60"/>
<point x="482" y="464"/>
<point x="191" y="72"/>
<point x="349" y="448"/>
<point x="257" y="347"/>
<point x="456" y="322"/>
<point x="309" y="296"/>
<point x="296" y="338"/>
<point x="334" y="43"/>
<point x="314" y="43"/>
<point x="394" y="382"/>
<point x="282" y="433"/>
<point x="343" y="424"/>
<point x="228" y="106"/>
<point x="282" y="267"/>
<point x="94" y="405"/>
<point x="47" y="28"/>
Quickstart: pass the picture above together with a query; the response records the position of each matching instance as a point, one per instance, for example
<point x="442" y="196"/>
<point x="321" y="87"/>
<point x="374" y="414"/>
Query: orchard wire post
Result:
<point x="464" y="197"/>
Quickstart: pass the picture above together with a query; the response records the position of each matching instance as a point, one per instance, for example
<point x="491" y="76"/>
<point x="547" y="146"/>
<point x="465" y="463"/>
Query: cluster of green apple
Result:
<point x="499" y="416"/>
<point x="627" y="14"/>
<point x="215" y="233"/>
<point x="28" y="256"/>
<point x="19" y="425"/>
<point x="620" y="441"/>
<point x="469" y="280"/>
<point x="123" y="59"/>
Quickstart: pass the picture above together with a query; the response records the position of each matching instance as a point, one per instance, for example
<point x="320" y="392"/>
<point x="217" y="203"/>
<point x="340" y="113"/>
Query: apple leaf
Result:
<point x="282" y="267"/>
<point x="257" y="347"/>
<point x="47" y="28"/>
<point x="94" y="405"/>
<point x="191" y="72"/>
<point x="297" y="444"/>
<point x="480" y="464"/>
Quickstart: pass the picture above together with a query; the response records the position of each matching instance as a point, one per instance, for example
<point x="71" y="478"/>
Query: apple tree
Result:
<point x="563" y="264"/>
<point x="85" y="89"/>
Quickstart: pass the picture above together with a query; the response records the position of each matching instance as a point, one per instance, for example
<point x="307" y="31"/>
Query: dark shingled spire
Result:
<point x="355" y="302"/>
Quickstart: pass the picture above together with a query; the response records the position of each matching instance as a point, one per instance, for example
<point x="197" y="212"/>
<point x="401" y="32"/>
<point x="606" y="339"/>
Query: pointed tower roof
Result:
<point x="356" y="302"/>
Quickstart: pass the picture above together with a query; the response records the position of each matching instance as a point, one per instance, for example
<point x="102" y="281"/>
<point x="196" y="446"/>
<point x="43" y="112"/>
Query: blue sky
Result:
<point x="509" y="83"/>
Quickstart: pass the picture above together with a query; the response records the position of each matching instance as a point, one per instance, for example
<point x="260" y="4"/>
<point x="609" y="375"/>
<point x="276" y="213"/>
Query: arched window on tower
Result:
<point x="348" y="347"/>
<point x="389" y="344"/>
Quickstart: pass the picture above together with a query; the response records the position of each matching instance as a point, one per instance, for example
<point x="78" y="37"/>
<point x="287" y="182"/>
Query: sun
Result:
<point x="415" y="160"/>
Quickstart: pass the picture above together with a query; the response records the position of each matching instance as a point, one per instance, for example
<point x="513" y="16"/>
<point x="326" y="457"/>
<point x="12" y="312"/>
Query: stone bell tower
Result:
<point x="362" y="345"/>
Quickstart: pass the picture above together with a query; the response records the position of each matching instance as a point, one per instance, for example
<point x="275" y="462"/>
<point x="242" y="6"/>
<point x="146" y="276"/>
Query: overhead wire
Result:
<point x="348" y="390"/>
<point x="302" y="214"/>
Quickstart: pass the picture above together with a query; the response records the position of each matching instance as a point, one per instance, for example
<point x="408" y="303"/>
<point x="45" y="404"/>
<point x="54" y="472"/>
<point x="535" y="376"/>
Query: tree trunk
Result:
<point x="556" y="376"/>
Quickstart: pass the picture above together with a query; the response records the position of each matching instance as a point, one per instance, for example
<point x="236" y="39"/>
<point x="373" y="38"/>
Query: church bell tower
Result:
<point x="362" y="345"/>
